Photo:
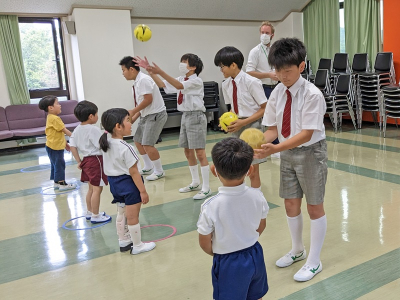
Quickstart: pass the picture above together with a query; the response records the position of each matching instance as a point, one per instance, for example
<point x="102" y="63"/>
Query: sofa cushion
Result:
<point x="5" y="134"/>
<point x="25" y="117"/>
<point x="29" y="131"/>
<point x="67" y="114"/>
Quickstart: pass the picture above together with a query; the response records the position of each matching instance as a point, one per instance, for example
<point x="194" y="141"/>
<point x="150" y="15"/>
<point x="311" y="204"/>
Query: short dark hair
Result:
<point x="47" y="101"/>
<point x="193" y="61"/>
<point x="128" y="62"/>
<point x="232" y="158"/>
<point x="84" y="109"/>
<point x="286" y="52"/>
<point x="227" y="56"/>
<point x="109" y="119"/>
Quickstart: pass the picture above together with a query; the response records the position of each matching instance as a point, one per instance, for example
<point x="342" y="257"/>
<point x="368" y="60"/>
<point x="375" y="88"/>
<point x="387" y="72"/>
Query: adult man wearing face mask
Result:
<point x="257" y="64"/>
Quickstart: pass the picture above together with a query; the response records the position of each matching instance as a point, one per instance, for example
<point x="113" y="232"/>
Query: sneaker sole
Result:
<point x="142" y="251"/>
<point x="98" y="222"/>
<point x="126" y="248"/>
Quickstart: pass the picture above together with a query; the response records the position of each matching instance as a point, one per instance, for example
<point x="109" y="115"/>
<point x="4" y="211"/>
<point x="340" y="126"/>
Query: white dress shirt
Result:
<point x="250" y="94"/>
<point x="233" y="216"/>
<point x="258" y="61"/>
<point x="144" y="85"/>
<point x="119" y="158"/>
<point x="193" y="93"/>
<point x="86" y="139"/>
<point x="307" y="110"/>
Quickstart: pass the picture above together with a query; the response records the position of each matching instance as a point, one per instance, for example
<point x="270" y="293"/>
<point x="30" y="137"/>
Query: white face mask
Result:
<point x="183" y="68"/>
<point x="265" y="39"/>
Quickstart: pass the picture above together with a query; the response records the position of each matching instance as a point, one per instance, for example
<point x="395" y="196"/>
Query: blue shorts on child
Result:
<point x="124" y="189"/>
<point x="240" y="275"/>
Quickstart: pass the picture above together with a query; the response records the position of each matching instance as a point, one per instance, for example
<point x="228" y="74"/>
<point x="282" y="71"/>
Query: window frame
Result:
<point x="60" y="91"/>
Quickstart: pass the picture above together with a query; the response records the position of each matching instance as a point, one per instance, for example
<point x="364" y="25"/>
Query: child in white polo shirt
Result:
<point x="231" y="222"/>
<point x="295" y="113"/>
<point x="150" y="108"/>
<point x="190" y="93"/>
<point x="246" y="96"/>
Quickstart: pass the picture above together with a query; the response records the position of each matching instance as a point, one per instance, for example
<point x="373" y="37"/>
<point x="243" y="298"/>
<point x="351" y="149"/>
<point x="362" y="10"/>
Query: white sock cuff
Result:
<point x="322" y="219"/>
<point x="296" y="217"/>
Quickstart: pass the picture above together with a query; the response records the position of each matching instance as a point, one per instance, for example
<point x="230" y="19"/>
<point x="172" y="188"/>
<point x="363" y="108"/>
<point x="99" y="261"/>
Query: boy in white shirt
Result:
<point x="150" y="107"/>
<point x="231" y="222"/>
<point x="85" y="141"/>
<point x="246" y="96"/>
<point x="190" y="93"/>
<point x="295" y="113"/>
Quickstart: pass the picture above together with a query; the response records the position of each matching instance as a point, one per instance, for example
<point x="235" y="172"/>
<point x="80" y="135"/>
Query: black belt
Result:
<point x="270" y="86"/>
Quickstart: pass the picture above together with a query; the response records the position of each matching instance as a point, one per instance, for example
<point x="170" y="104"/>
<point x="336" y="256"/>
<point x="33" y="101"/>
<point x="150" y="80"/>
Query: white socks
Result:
<point x="195" y="175"/>
<point x="158" y="166"/>
<point x="318" y="232"/>
<point x="296" y="232"/>
<point x="148" y="165"/>
<point x="205" y="174"/>
<point x="136" y="234"/>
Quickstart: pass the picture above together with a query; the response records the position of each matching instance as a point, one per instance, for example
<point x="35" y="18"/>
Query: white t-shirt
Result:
<point x="86" y="139"/>
<point x="233" y="216"/>
<point x="119" y="158"/>
<point x="144" y="85"/>
<point x="307" y="110"/>
<point x="258" y="61"/>
<point x="193" y="93"/>
<point x="250" y="94"/>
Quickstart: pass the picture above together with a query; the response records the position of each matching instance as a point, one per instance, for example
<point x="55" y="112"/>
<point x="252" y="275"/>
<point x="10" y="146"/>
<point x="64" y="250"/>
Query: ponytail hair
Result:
<point x="109" y="119"/>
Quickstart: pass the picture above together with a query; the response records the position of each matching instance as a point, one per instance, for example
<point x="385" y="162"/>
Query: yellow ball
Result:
<point x="226" y="120"/>
<point x="254" y="137"/>
<point x="142" y="32"/>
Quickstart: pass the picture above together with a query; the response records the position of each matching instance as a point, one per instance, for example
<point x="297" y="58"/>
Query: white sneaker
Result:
<point x="144" y="247"/>
<point x="190" y="188"/>
<point x="56" y="186"/>
<point x="125" y="244"/>
<point x="306" y="272"/>
<point x="155" y="176"/>
<point x="100" y="218"/>
<point x="276" y="155"/>
<point x="202" y="195"/>
<point x="146" y="171"/>
<point x="89" y="214"/>
<point x="67" y="187"/>
<point x="290" y="258"/>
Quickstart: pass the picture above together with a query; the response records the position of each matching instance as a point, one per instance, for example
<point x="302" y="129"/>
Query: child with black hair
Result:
<point x="190" y="93"/>
<point x="230" y="224"/>
<point x="85" y="141"/>
<point x="246" y="96"/>
<point x="295" y="113"/>
<point x="126" y="183"/>
<point x="55" y="142"/>
<point x="150" y="107"/>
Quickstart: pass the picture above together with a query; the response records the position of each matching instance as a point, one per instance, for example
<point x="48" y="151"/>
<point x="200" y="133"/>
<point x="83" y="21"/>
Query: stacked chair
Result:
<point x="360" y="65"/>
<point x="339" y="101"/>
<point x="370" y="84"/>
<point x="390" y="105"/>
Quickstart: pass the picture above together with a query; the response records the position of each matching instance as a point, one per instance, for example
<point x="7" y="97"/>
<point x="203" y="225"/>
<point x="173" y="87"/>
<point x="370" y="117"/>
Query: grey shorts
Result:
<point x="149" y="128"/>
<point x="193" y="130"/>
<point x="255" y="124"/>
<point x="304" y="171"/>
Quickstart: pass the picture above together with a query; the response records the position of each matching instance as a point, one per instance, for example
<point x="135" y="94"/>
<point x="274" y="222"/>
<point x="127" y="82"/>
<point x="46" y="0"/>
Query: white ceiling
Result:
<point x="272" y="10"/>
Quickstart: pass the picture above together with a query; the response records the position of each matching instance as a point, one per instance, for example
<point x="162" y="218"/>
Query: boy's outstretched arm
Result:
<point x="205" y="242"/>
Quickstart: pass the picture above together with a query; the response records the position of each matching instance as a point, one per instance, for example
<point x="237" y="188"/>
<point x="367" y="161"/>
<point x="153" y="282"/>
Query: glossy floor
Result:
<point x="40" y="259"/>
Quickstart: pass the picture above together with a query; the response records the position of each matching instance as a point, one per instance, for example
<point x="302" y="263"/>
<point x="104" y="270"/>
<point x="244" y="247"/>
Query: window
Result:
<point x="341" y="22"/>
<point x="43" y="56"/>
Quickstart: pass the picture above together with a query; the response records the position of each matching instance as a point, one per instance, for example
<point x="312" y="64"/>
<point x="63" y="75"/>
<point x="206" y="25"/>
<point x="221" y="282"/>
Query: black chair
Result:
<point x="324" y="64"/>
<point x="370" y="85"/>
<point x="360" y="65"/>
<point x="341" y="64"/>
<point x="391" y="104"/>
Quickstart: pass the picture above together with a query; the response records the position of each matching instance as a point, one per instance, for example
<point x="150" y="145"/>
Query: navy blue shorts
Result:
<point x="124" y="189"/>
<point x="240" y="275"/>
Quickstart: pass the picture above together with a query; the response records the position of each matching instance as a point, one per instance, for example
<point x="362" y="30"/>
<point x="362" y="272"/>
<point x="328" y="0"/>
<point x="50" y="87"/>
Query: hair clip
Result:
<point x="105" y="131"/>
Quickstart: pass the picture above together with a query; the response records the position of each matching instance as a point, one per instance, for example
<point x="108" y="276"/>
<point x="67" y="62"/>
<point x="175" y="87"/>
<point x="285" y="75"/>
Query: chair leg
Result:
<point x="351" y="112"/>
<point x="384" y="125"/>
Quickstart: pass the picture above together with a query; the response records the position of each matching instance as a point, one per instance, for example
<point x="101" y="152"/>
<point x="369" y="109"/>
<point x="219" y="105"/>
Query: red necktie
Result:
<point x="286" y="115"/>
<point x="134" y="94"/>
<point x="234" y="96"/>
<point x="180" y="98"/>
